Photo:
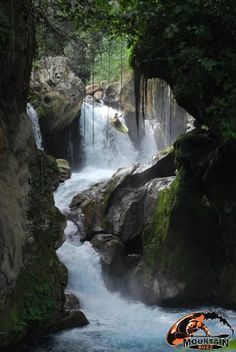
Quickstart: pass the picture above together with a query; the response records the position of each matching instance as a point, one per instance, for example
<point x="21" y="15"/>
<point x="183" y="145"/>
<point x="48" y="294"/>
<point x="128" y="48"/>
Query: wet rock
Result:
<point x="123" y="205"/>
<point x="72" y="302"/>
<point x="92" y="89"/>
<point x="112" y="95"/>
<point x="57" y="93"/>
<point x="75" y="319"/>
<point x="109" y="246"/>
<point x="88" y="208"/>
<point x="64" y="170"/>
<point x="98" y="95"/>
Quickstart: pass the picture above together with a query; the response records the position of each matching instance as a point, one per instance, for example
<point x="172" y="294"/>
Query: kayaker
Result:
<point x="117" y="122"/>
<point x="194" y="325"/>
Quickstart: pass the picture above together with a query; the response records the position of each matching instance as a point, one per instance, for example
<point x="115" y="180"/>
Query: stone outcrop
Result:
<point x="112" y="95"/>
<point x="57" y="95"/>
<point x="109" y="207"/>
<point x="32" y="280"/>
<point x="91" y="89"/>
<point x="74" y="317"/>
<point x="58" y="91"/>
<point x="64" y="170"/>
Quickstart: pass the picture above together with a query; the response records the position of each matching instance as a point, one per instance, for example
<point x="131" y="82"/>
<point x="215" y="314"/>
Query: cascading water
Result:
<point x="116" y="324"/>
<point x="111" y="149"/>
<point x="32" y="113"/>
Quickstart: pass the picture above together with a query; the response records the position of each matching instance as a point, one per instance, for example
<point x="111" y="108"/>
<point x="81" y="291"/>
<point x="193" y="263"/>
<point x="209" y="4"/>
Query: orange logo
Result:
<point x="185" y="329"/>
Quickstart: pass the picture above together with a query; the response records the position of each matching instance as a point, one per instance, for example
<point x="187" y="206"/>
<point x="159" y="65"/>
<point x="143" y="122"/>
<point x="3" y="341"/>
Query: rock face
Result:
<point x="32" y="280"/>
<point x="172" y="120"/>
<point x="189" y="256"/>
<point x="112" y="95"/>
<point x="57" y="94"/>
<point x="157" y="102"/>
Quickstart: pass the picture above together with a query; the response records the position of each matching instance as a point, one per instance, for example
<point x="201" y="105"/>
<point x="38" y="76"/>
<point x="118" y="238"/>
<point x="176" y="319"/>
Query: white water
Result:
<point x="32" y="113"/>
<point x="111" y="149"/>
<point x="115" y="323"/>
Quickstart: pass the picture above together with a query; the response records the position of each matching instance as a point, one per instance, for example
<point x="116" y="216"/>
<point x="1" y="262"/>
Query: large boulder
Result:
<point x="122" y="97"/>
<point x="58" y="93"/>
<point x="112" y="95"/>
<point x="75" y="319"/>
<point x="122" y="205"/>
<point x="91" y="89"/>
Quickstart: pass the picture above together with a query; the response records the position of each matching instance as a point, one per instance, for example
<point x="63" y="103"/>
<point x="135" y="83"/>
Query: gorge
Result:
<point x="143" y="230"/>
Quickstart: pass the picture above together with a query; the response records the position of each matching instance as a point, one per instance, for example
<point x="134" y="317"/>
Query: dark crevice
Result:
<point x="134" y="246"/>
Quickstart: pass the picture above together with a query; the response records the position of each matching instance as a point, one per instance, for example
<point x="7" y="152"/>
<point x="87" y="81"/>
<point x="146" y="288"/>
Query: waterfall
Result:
<point x="171" y="120"/>
<point x="32" y="113"/>
<point x="105" y="146"/>
<point x="148" y="145"/>
<point x="116" y="324"/>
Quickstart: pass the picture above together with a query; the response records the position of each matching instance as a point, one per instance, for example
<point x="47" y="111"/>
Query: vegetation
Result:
<point x="190" y="44"/>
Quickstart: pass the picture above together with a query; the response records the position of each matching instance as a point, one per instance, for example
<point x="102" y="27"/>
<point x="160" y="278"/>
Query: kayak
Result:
<point x="123" y="128"/>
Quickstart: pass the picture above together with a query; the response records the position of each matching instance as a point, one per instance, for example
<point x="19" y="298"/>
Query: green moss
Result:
<point x="155" y="235"/>
<point x="36" y="302"/>
<point x="167" y="150"/>
<point x="183" y="226"/>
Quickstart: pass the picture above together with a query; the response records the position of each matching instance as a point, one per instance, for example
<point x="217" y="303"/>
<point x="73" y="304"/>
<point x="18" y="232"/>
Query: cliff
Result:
<point x="32" y="280"/>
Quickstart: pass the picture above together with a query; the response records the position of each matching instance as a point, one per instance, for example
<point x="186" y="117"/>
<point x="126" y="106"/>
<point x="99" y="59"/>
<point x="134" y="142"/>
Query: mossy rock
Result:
<point x="37" y="301"/>
<point x="190" y="242"/>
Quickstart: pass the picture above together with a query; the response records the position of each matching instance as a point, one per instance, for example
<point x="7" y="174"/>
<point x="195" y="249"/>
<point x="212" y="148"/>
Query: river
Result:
<point x="116" y="324"/>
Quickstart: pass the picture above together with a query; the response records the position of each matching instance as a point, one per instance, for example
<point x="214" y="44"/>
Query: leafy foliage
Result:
<point x="190" y="44"/>
<point x="112" y="61"/>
